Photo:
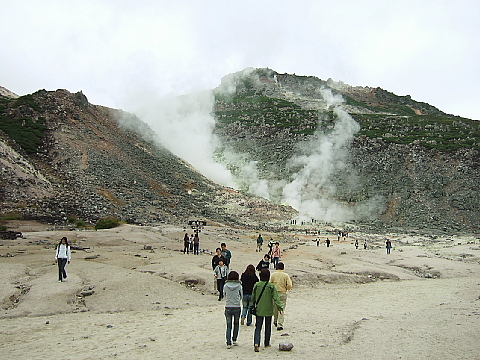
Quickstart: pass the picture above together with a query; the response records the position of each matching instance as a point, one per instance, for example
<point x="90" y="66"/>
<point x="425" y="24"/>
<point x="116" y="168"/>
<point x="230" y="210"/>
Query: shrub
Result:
<point x="80" y="223"/>
<point x="107" y="223"/>
<point x="14" y="215"/>
<point x="3" y="227"/>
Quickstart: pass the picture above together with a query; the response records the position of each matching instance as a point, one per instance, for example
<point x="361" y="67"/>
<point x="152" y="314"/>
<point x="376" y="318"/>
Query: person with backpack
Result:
<point x="63" y="255"/>
<point x="259" y="243"/>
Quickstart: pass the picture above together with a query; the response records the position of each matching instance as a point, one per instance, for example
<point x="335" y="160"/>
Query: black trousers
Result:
<point x="62" y="274"/>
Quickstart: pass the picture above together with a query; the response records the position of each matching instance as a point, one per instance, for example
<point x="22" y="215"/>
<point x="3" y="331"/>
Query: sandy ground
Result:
<point x="124" y="301"/>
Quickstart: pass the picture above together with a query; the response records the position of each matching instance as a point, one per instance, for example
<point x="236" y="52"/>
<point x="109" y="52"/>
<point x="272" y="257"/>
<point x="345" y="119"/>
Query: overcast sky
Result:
<point x="427" y="49"/>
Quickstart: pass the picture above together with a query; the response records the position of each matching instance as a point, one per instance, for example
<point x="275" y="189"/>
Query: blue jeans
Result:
<point x="232" y="313"/>
<point x="275" y="262"/>
<point x="247" y="303"/>
<point x="258" y="330"/>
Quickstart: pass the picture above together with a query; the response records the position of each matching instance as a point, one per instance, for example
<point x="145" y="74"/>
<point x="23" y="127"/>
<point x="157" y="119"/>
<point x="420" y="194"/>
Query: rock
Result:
<point x="284" y="346"/>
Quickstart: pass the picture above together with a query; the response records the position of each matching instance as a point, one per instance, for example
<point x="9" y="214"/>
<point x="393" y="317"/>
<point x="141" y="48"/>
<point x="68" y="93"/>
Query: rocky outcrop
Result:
<point x="409" y="165"/>
<point x="95" y="162"/>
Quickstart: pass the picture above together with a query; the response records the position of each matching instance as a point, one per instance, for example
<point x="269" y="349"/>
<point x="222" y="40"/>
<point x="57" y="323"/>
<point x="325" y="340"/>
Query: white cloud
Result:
<point x="427" y="49"/>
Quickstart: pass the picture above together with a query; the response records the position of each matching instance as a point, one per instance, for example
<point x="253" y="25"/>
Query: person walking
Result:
<point x="196" y="245"/>
<point x="270" y="246"/>
<point x="283" y="283"/>
<point x="233" y="293"/>
<point x="215" y="260"/>
<point x="388" y="245"/>
<point x="264" y="263"/>
<point x="63" y="255"/>
<point x="365" y="245"/>
<point x="259" y="243"/>
<point x="356" y="243"/>
<point x="264" y="295"/>
<point x="248" y="279"/>
<point x="276" y="255"/>
<point x="327" y="242"/>
<point x="227" y="254"/>
<point x="221" y="273"/>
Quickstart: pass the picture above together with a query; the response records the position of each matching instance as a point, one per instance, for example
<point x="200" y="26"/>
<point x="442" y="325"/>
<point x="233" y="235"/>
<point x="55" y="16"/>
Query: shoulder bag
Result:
<point x="253" y="308"/>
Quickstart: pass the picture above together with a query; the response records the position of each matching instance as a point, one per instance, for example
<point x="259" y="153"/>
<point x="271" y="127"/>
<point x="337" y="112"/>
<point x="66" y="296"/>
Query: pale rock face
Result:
<point x="7" y="93"/>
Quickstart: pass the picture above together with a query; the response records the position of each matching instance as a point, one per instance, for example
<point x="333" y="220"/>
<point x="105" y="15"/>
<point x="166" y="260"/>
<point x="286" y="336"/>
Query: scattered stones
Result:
<point x="10" y="235"/>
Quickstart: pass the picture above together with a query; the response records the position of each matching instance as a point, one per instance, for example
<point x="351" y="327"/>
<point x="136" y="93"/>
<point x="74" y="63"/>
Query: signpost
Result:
<point x="197" y="225"/>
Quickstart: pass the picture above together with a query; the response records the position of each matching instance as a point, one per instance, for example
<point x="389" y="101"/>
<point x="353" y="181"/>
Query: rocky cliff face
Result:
<point x="91" y="162"/>
<point x="349" y="153"/>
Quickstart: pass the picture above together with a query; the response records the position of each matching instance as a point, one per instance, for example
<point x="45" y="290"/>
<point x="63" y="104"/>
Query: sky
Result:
<point x="121" y="52"/>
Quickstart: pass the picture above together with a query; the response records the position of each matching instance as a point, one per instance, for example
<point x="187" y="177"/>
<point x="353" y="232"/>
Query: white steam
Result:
<point x="184" y="125"/>
<point x="311" y="190"/>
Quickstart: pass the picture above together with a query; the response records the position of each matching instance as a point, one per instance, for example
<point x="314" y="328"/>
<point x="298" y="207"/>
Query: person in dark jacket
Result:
<point x="388" y="245"/>
<point x="264" y="263"/>
<point x="186" y="244"/>
<point x="196" y="245"/>
<point x="216" y="258"/>
<point x="249" y="278"/>
<point x="227" y="254"/>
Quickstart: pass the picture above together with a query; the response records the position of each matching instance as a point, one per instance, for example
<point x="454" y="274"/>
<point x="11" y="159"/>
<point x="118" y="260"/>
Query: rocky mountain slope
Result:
<point x="64" y="159"/>
<point x="346" y="153"/>
<point x="333" y="152"/>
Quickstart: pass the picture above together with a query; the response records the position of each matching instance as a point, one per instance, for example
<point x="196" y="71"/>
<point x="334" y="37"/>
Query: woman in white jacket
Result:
<point x="62" y="257"/>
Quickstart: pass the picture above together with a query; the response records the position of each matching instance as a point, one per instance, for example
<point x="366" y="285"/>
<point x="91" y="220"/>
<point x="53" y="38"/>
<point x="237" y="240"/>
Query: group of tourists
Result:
<point x="247" y="295"/>
<point x="191" y="244"/>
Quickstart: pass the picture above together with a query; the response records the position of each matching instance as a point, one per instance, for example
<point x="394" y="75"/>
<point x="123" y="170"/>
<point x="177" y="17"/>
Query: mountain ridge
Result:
<point x="393" y="161"/>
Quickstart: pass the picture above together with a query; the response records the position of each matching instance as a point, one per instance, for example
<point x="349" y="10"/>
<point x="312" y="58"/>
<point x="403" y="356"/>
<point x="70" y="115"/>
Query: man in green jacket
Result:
<point x="265" y="296"/>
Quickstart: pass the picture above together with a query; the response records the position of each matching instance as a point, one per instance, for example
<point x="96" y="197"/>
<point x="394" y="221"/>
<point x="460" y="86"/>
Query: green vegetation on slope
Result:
<point x="259" y="110"/>
<point x="443" y="133"/>
<point x="25" y="130"/>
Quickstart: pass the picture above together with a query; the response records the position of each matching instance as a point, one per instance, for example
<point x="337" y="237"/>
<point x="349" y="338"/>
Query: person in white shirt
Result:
<point x="63" y="256"/>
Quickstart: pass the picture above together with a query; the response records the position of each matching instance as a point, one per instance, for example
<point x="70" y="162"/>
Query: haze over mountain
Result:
<point x="335" y="153"/>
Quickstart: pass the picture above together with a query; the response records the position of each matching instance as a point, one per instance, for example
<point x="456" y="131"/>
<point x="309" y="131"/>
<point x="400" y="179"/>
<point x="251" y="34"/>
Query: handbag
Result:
<point x="253" y="308"/>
